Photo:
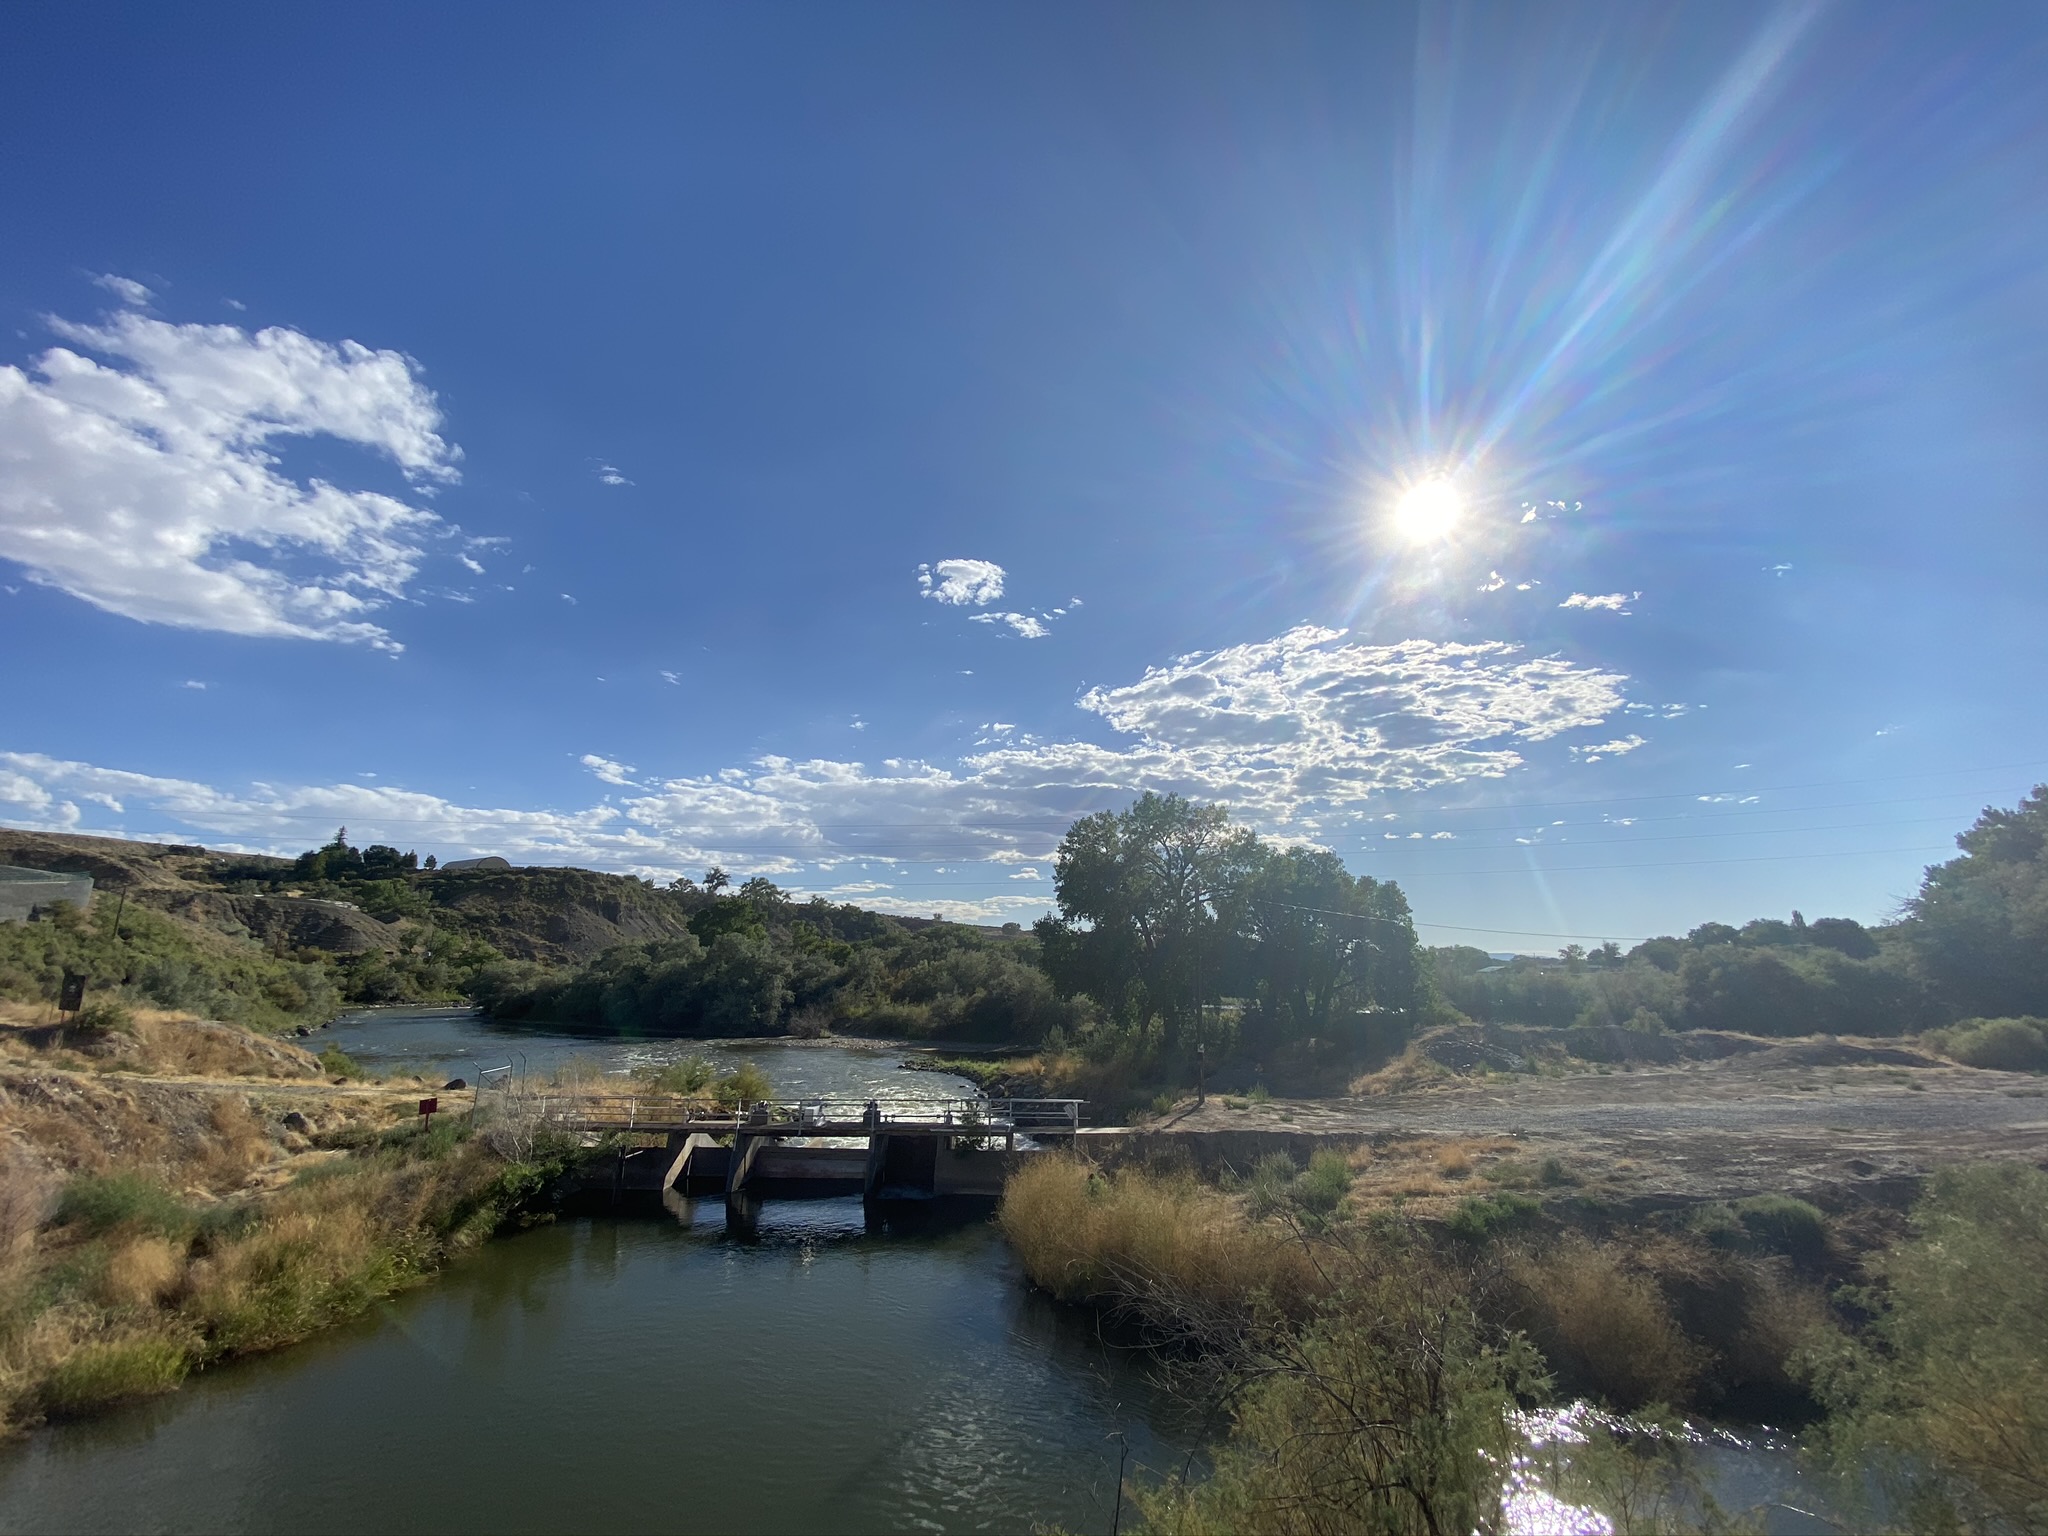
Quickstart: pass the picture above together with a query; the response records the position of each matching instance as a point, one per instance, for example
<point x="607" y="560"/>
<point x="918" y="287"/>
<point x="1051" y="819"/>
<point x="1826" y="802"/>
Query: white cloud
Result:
<point x="1494" y="582"/>
<point x="1442" y="837"/>
<point x="126" y="289"/>
<point x="1027" y="874"/>
<point x="1776" y="570"/>
<point x="961" y="583"/>
<point x="673" y="679"/>
<point x="149" y="485"/>
<point x="1023" y="623"/>
<point x="475" y="566"/>
<point x="191" y="682"/>
<point x="609" y="771"/>
<point x="608" y="474"/>
<point x="1282" y="731"/>
<point x="569" y="600"/>
<point x="1614" y="748"/>
<point x="1608" y="602"/>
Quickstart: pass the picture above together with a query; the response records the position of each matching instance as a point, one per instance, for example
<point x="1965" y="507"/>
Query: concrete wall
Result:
<point x="24" y="890"/>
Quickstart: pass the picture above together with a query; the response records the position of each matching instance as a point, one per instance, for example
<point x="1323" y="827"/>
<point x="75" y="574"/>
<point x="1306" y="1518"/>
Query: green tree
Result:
<point x="1138" y="891"/>
<point x="1322" y="945"/>
<point x="1979" y="926"/>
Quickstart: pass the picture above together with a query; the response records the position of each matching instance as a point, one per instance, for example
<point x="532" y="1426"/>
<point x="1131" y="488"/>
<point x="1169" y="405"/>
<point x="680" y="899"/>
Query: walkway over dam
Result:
<point x="882" y="1150"/>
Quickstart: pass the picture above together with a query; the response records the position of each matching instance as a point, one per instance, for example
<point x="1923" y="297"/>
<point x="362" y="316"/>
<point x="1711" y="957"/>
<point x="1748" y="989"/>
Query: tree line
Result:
<point x="1971" y="944"/>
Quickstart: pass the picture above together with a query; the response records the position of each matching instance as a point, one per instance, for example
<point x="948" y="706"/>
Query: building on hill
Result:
<point x="490" y="862"/>
<point x="24" y="892"/>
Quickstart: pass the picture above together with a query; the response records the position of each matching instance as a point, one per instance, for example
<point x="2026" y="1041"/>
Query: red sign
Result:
<point x="428" y="1106"/>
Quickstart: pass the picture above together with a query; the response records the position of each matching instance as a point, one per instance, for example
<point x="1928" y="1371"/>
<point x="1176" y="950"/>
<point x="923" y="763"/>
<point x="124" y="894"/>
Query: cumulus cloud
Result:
<point x="961" y="583"/>
<point x="1023" y="623"/>
<point x="608" y="474"/>
<point x="1606" y="602"/>
<point x="126" y="289"/>
<point x="147" y="481"/>
<point x="1282" y="730"/>
<point x="1615" y="748"/>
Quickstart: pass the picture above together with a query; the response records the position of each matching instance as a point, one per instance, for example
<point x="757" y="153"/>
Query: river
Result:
<point x="643" y="1373"/>
<point x="654" y="1373"/>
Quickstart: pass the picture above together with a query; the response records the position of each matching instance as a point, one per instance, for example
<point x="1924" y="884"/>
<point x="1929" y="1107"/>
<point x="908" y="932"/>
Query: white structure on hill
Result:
<point x="489" y="861"/>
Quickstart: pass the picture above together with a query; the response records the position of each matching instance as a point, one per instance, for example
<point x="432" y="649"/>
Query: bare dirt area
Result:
<point x="1828" y="1120"/>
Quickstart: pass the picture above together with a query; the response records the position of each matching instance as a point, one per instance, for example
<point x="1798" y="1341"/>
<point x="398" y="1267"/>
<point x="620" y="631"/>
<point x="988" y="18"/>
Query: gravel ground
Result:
<point x="1702" y="1130"/>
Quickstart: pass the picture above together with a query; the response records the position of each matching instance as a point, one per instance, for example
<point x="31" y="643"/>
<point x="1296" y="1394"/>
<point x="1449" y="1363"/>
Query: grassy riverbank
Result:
<point x="176" y="1192"/>
<point x="1370" y="1361"/>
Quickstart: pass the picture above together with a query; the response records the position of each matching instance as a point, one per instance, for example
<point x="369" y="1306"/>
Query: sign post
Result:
<point x="71" y="997"/>
<point x="427" y="1108"/>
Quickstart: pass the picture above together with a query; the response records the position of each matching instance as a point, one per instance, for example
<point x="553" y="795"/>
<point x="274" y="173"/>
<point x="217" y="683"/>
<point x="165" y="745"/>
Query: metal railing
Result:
<point x="805" y="1117"/>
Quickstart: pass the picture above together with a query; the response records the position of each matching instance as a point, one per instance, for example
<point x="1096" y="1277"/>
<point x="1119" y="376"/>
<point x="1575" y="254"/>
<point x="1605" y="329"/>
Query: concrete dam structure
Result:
<point x="887" y="1153"/>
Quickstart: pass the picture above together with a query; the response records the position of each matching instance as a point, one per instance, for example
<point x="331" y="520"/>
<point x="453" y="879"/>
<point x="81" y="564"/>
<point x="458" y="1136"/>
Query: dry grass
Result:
<point x="155" y="1040"/>
<point x="1086" y="1235"/>
<point x="122" y="1303"/>
<point x="1603" y="1325"/>
<point x="1425" y="1174"/>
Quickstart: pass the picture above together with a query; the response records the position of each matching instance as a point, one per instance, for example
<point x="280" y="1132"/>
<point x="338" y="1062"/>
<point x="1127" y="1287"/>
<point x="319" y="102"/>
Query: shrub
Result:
<point x="1320" y="1190"/>
<point x="1949" y="1414"/>
<point x="336" y="1062"/>
<point x="1482" y="1218"/>
<point x="1089" y="1236"/>
<point x="2001" y="1045"/>
<point x="1781" y="1224"/>
<point x="1388" y="1413"/>
<point x="693" y="1074"/>
<point x="1603" y="1327"/>
<point x="104" y="1017"/>
<point x="744" y="1085"/>
<point x="102" y="1202"/>
<point x="97" y="1374"/>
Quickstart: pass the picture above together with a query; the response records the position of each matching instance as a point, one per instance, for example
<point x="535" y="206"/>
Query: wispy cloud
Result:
<point x="1023" y="623"/>
<point x="1605" y="602"/>
<point x="192" y="682"/>
<point x="609" y="771"/>
<point x="608" y="474"/>
<point x="126" y="289"/>
<point x="1620" y="746"/>
<point x="149" y="485"/>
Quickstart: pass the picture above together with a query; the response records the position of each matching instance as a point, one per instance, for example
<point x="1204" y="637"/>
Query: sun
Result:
<point x="1427" y="511"/>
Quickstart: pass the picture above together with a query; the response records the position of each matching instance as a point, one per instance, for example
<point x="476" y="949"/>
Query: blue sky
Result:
<point x="846" y="442"/>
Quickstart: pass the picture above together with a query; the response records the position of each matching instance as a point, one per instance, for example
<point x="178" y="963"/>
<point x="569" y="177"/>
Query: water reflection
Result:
<point x="637" y="1375"/>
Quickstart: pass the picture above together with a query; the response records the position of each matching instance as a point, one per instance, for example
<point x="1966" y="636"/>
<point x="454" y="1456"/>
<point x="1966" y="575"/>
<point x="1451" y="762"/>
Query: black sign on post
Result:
<point x="72" y="997"/>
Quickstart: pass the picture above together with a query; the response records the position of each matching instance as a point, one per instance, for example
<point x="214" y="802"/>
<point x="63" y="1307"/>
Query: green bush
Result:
<point x="101" y="1202"/>
<point x="1322" y="1189"/>
<point x="1484" y="1217"/>
<point x="98" y="1374"/>
<point x="693" y="1074"/>
<point x="1947" y="1415"/>
<point x="1781" y="1224"/>
<point x="2001" y="1045"/>
<point x="104" y="1017"/>
<point x="336" y="1062"/>
<point x="745" y="1085"/>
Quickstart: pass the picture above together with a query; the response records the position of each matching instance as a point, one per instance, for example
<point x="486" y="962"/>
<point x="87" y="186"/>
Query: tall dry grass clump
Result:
<point x="1604" y="1326"/>
<point x="132" y="1283"/>
<point x="1088" y="1235"/>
